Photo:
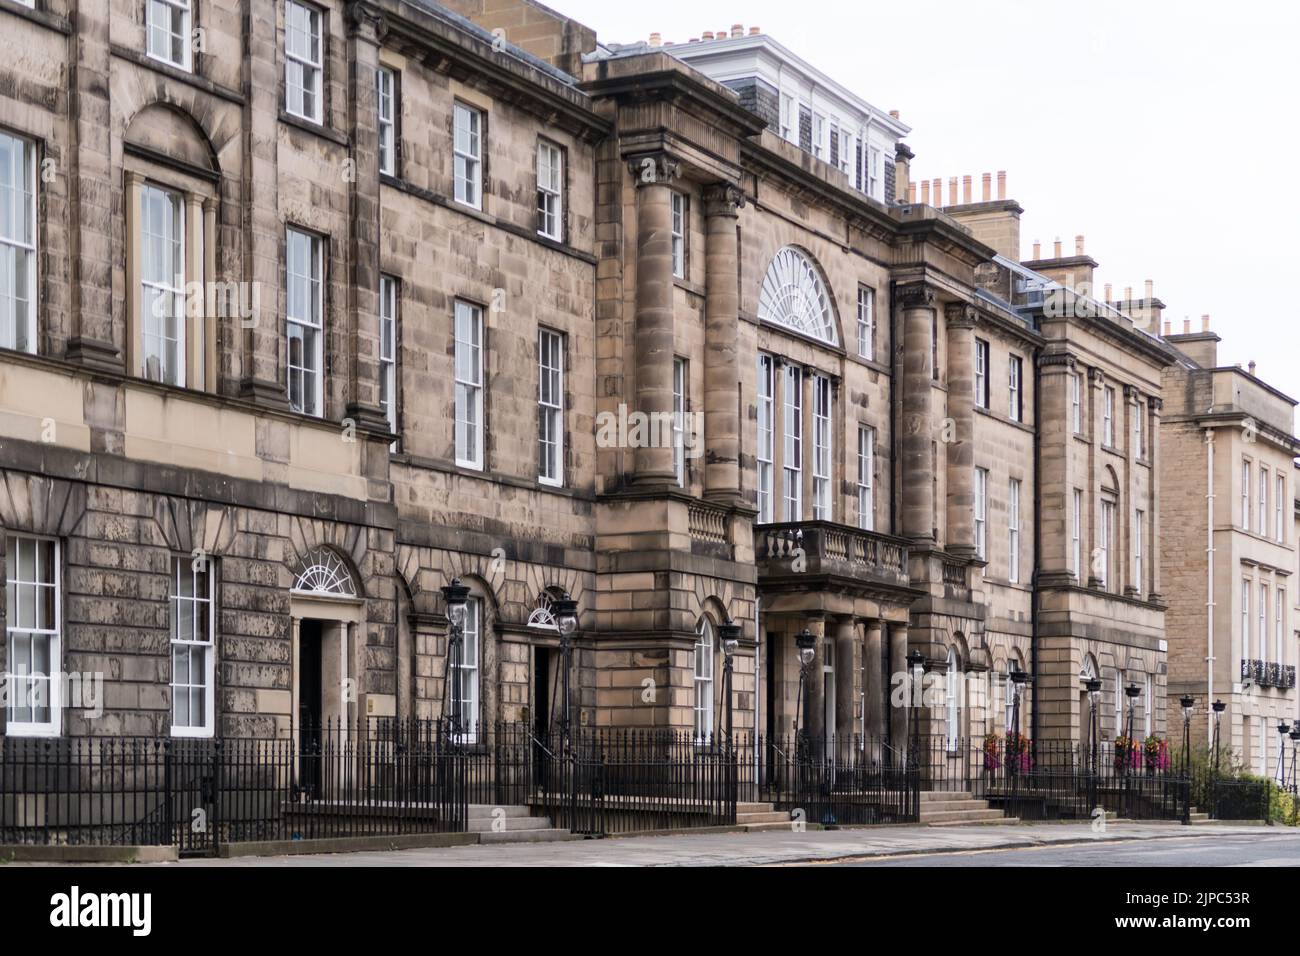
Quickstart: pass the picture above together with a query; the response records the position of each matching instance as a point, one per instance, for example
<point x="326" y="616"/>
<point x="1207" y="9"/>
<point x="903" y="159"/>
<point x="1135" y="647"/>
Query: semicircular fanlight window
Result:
<point x="794" y="295"/>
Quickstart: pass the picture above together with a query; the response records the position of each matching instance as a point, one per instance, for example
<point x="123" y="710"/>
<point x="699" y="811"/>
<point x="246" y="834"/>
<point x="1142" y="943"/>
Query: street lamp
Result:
<point x="454" y="596"/>
<point x="565" y="611"/>
<point x="1188" y="703"/>
<point x="729" y="636"/>
<point x="806" y="642"/>
<point x="1218" y="707"/>
<point x="1093" y="684"/>
<point x="1283" y="728"/>
<point x="1131" y="692"/>
<point x="1295" y="743"/>
<point x="915" y="666"/>
<point x="1018" y="680"/>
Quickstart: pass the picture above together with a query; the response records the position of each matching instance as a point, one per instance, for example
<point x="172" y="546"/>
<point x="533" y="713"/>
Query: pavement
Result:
<point x="1122" y="843"/>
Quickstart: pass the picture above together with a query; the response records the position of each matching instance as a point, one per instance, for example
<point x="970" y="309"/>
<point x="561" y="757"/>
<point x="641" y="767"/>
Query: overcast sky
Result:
<point x="1166" y="133"/>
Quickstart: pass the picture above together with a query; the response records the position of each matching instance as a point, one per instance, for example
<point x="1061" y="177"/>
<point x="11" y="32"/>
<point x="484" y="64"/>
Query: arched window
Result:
<point x="704" y="645"/>
<point x="323" y="573"/>
<point x="542" y="617"/>
<point x="950" y="691"/>
<point x="1009" y="693"/>
<point x="794" y="295"/>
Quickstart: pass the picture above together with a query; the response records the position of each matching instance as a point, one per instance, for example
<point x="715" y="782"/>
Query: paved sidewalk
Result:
<point x="771" y="847"/>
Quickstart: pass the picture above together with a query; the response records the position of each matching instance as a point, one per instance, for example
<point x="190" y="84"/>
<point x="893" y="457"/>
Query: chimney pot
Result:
<point x="925" y="192"/>
<point x="965" y="188"/>
<point x="1108" y="297"/>
<point x="707" y="35"/>
<point x="1151" y="290"/>
<point x="1168" y="326"/>
<point x="755" y="31"/>
<point x="911" y="193"/>
<point x="938" y="194"/>
<point x="894" y="113"/>
<point x="952" y="190"/>
<point x="656" y="39"/>
<point x="737" y="29"/>
<point x="987" y="186"/>
<point x="1205" y="323"/>
<point x="1187" y="326"/>
<point x="1038" y="250"/>
<point x="1056" y="248"/>
<point x="1078" y="245"/>
<point x="1002" y="184"/>
<point x="1251" y="367"/>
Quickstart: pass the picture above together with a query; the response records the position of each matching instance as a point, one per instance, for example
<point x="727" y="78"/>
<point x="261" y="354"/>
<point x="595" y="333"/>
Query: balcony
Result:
<point x="792" y="552"/>
<point x="1268" y="674"/>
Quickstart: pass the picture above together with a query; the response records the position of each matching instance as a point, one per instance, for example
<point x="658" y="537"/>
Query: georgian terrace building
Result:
<point x="424" y="268"/>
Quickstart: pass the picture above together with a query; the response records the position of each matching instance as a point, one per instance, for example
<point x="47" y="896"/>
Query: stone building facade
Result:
<point x="315" y="306"/>
<point x="1229" y="548"/>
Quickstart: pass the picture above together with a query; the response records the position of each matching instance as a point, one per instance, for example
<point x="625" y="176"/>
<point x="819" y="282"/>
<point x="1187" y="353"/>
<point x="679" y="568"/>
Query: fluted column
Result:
<point x="918" y="477"/>
<point x="721" y="335"/>
<point x="961" y="444"/>
<point x="653" y="335"/>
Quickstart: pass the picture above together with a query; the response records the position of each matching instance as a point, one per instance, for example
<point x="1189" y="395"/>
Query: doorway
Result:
<point x="310" y="706"/>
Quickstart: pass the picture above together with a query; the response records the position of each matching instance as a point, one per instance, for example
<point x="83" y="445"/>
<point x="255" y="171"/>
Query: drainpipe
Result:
<point x="1033" y="585"/>
<point x="760" y="678"/>
<point x="895" y="375"/>
<point x="1209" y="581"/>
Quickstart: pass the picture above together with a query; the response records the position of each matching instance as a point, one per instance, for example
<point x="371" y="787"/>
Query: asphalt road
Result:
<point x="1280" y="849"/>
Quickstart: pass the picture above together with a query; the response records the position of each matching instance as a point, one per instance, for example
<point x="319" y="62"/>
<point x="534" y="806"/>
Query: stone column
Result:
<point x="91" y="181"/>
<point x="1152" y="552"/>
<point x="1092" y="506"/>
<point x="847" y="666"/>
<point x="362" y="340"/>
<point x="721" y="334"/>
<point x="961" y="443"/>
<point x="877" y="690"/>
<point x="1128" y="493"/>
<point x="653" y="336"/>
<point x="814" y="700"/>
<point x="1056" y="437"/>
<point x="918" y="501"/>
<point x="898" y="669"/>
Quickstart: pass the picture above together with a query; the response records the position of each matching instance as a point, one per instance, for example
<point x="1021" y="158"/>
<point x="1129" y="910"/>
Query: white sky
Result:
<point x="1165" y="132"/>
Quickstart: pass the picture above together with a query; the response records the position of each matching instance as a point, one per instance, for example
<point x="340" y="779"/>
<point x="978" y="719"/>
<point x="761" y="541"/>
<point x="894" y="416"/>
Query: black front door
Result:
<point x="541" y="714"/>
<point x="310" y="732"/>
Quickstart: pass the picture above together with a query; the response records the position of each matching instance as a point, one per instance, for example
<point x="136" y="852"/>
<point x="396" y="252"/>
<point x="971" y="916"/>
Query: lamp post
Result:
<point x="1018" y="680"/>
<point x="565" y="610"/>
<point x="1295" y="743"/>
<point x="1188" y="702"/>
<point x="915" y="667"/>
<point x="1283" y="728"/>
<point x="454" y="597"/>
<point x="729" y="635"/>
<point x="806" y="643"/>
<point x="1093" y="684"/>
<point x="1218" y="707"/>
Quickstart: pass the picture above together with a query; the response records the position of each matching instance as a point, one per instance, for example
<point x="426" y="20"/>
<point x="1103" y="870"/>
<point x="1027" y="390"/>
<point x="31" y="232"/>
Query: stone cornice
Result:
<point x="959" y="315"/>
<point x="658" y="168"/>
<point x="916" y="295"/>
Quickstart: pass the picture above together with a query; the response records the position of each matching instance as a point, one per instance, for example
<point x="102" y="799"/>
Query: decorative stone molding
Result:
<point x="654" y="169"/>
<point x="1096" y="377"/>
<point x="723" y="199"/>
<point x="959" y="315"/>
<point x="917" y="295"/>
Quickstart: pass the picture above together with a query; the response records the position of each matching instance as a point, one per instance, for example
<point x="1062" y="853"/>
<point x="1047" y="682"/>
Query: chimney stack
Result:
<point x="1205" y="323"/>
<point x="965" y="189"/>
<point x="737" y="29"/>
<point x="986" y="187"/>
<point x="1250" y="366"/>
<point x="656" y="39"/>
<point x="925" y="192"/>
<point x="1002" y="184"/>
<point x="1078" y="245"/>
<point x="1168" y="326"/>
<point x="1187" y="326"/>
<point x="1056" y="248"/>
<point x="1038" y="251"/>
<point x="952" y="190"/>
<point x="938" y="193"/>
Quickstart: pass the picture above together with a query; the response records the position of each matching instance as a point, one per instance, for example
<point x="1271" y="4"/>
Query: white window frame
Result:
<point x="467" y="149"/>
<point x="1076" y="402"/>
<point x="1279" y="626"/>
<point x="866" y="478"/>
<point x="766" y="443"/>
<point x="677" y="229"/>
<point x="17" y="629"/>
<point x="789" y="118"/>
<point x="550" y="407"/>
<point x="170" y="9"/>
<point x="681" y="387"/>
<point x="310" y="69"/>
<point x="1261" y="523"/>
<point x="1076" y="533"/>
<point x="1279" y="496"/>
<point x="305" y="311"/>
<point x="873" y="172"/>
<point x="818" y="135"/>
<point x="1263" y="621"/>
<point x="468" y="333"/>
<point x="792" y="438"/>
<point x="168" y="286"/>
<point x="981" y="512"/>
<point x="1013" y="531"/>
<point x="1148" y="699"/>
<point x="981" y="374"/>
<point x="1108" y="417"/>
<point x="1015" y="406"/>
<point x="18" y="246"/>
<point x="1119" y="703"/>
<point x="866" y="322"/>
<point x="823" y="415"/>
<point x="386" y="119"/>
<point x="952" y="714"/>
<point x="1139" y="518"/>
<point x="388" y="351"/>
<point x="1008" y="694"/>
<point x="1107" y="539"/>
<point x="181" y="606"/>
<point x="1246" y="592"/>
<point x="703" y="666"/>
<point x="1139" y="433"/>
<point x="469" y="671"/>
<point x="1245" y="494"/>
<point x="550" y="190"/>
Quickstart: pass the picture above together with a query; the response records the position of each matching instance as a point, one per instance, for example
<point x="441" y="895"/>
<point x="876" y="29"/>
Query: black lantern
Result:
<point x="1018" y="680"/>
<point x="565" y="611"/>
<point x="1188" y="703"/>
<point x="1218" y="707"/>
<point x="455" y="596"/>
<point x="806" y="642"/>
<point x="729" y="638"/>
<point x="1093" y="685"/>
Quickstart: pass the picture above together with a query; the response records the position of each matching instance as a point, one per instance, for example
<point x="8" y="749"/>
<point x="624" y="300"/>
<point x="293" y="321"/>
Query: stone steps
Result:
<point x="947" y="808"/>
<point x="519" y="825"/>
